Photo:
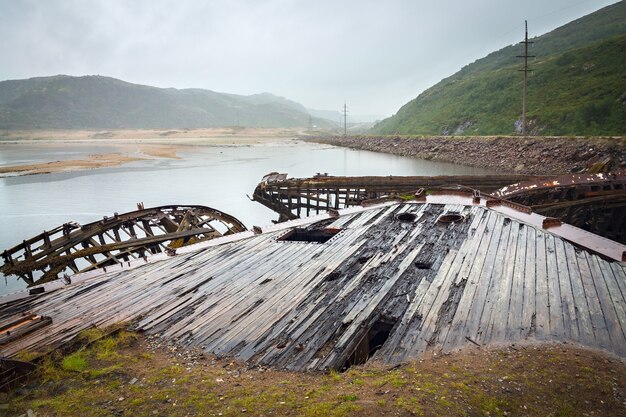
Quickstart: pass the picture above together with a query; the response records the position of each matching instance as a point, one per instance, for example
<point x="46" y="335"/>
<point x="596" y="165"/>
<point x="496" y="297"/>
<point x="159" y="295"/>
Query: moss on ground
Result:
<point x="128" y="375"/>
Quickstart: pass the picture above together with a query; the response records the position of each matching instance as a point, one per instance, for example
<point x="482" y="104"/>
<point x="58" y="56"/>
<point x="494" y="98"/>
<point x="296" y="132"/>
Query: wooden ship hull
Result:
<point x="387" y="282"/>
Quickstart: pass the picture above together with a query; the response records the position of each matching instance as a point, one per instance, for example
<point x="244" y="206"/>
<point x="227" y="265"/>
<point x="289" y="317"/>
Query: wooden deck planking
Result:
<point x="465" y="253"/>
<point x="448" y="279"/>
<point x="219" y="266"/>
<point x="364" y="312"/>
<point x="608" y="308"/>
<point x="581" y="306"/>
<point x="496" y="318"/>
<point x="103" y="312"/>
<point x="499" y="281"/>
<point x="467" y="318"/>
<point x="598" y="320"/>
<point x="620" y="277"/>
<point x="226" y="326"/>
<point x="284" y="299"/>
<point x="557" y="324"/>
<point x="245" y="294"/>
<point x="529" y="315"/>
<point x="487" y="284"/>
<point x="358" y="295"/>
<point x="568" y="307"/>
<point x="432" y="301"/>
<point x="542" y="300"/>
<point x="617" y="299"/>
<point x="469" y="276"/>
<point x="370" y="265"/>
<point x="516" y="303"/>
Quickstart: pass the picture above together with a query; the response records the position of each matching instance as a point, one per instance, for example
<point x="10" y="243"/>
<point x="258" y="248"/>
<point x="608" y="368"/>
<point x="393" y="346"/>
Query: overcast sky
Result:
<point x="374" y="54"/>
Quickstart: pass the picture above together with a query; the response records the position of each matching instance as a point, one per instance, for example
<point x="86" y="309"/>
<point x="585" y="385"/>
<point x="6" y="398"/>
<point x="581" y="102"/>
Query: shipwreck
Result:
<point x="385" y="279"/>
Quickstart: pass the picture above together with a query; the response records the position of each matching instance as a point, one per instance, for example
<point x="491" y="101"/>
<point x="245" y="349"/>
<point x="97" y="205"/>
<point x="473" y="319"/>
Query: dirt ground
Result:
<point x="133" y="375"/>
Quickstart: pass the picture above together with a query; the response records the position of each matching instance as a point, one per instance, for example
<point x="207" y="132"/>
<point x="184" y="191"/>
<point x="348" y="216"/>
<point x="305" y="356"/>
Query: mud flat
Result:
<point x="130" y="145"/>
<point x="524" y="155"/>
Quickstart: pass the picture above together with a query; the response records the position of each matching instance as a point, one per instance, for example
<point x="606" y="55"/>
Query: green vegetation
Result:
<point x="122" y="375"/>
<point x="577" y="87"/>
<point x="96" y="102"/>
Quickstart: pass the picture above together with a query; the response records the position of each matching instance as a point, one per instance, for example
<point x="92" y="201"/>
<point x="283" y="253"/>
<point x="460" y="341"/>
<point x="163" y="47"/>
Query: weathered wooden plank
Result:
<point x="410" y="324"/>
<point x="363" y="313"/>
<point x="619" y="272"/>
<point x="319" y="332"/>
<point x="617" y="299"/>
<point x="496" y="320"/>
<point x="514" y="316"/>
<point x="284" y="299"/>
<point x="568" y="306"/>
<point x="356" y="296"/>
<point x="436" y="295"/>
<point x="542" y="299"/>
<point x="467" y="318"/>
<point x="219" y="265"/>
<point x="528" y="324"/>
<point x="595" y="309"/>
<point x="468" y="276"/>
<point x="557" y="325"/>
<point x="447" y="287"/>
<point x="582" y="308"/>
<point x="287" y="295"/>
<point x="608" y="308"/>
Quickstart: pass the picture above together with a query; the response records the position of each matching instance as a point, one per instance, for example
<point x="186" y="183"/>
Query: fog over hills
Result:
<point x="97" y="102"/>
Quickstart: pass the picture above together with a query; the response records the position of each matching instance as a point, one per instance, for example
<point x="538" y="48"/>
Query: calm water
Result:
<point x="215" y="176"/>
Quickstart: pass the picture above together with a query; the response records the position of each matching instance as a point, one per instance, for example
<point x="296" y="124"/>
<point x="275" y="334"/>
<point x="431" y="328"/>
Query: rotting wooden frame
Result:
<point x="120" y="238"/>
<point x="292" y="198"/>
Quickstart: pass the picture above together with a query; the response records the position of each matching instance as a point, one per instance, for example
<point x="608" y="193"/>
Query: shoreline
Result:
<point x="129" y="145"/>
<point x="534" y="155"/>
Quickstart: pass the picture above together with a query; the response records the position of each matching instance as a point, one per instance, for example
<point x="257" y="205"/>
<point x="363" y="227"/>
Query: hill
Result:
<point x="577" y="87"/>
<point x="96" y="102"/>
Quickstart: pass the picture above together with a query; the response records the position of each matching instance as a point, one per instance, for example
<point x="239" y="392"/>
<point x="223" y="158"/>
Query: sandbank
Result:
<point x="133" y="145"/>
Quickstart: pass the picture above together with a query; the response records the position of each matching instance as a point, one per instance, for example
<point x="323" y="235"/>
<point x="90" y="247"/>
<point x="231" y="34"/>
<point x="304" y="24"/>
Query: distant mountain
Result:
<point x="577" y="87"/>
<point x="96" y="102"/>
<point x="337" y="116"/>
<point x="333" y="115"/>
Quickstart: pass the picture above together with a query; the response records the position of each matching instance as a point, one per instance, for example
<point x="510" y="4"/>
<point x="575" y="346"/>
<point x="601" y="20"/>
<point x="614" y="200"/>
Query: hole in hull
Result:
<point x="312" y="236"/>
<point x="371" y="343"/>
<point x="406" y="217"/>
<point x="450" y="218"/>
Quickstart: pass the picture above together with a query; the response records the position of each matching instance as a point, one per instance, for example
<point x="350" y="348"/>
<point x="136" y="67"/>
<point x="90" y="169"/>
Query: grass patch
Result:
<point x="119" y="377"/>
<point x="75" y="362"/>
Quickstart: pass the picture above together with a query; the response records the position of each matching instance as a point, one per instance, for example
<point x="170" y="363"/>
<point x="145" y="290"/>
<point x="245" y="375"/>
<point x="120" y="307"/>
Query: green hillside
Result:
<point x="577" y="87"/>
<point x="95" y="102"/>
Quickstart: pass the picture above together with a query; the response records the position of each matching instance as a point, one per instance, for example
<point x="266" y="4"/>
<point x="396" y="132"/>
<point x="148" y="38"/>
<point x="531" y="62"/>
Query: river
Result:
<point x="216" y="176"/>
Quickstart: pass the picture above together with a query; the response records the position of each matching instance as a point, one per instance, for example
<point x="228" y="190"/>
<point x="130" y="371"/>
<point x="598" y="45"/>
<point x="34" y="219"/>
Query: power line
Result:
<point x="345" y="119"/>
<point x="525" y="70"/>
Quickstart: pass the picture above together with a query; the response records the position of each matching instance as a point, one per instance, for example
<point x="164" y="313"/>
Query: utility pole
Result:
<point x="345" y="119"/>
<point x="525" y="70"/>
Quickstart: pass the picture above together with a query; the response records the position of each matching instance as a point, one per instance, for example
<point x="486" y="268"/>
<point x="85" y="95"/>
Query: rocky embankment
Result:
<point x="524" y="155"/>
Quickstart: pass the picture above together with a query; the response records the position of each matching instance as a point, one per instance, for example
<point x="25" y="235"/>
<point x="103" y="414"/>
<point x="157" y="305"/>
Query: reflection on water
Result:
<point x="215" y="176"/>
